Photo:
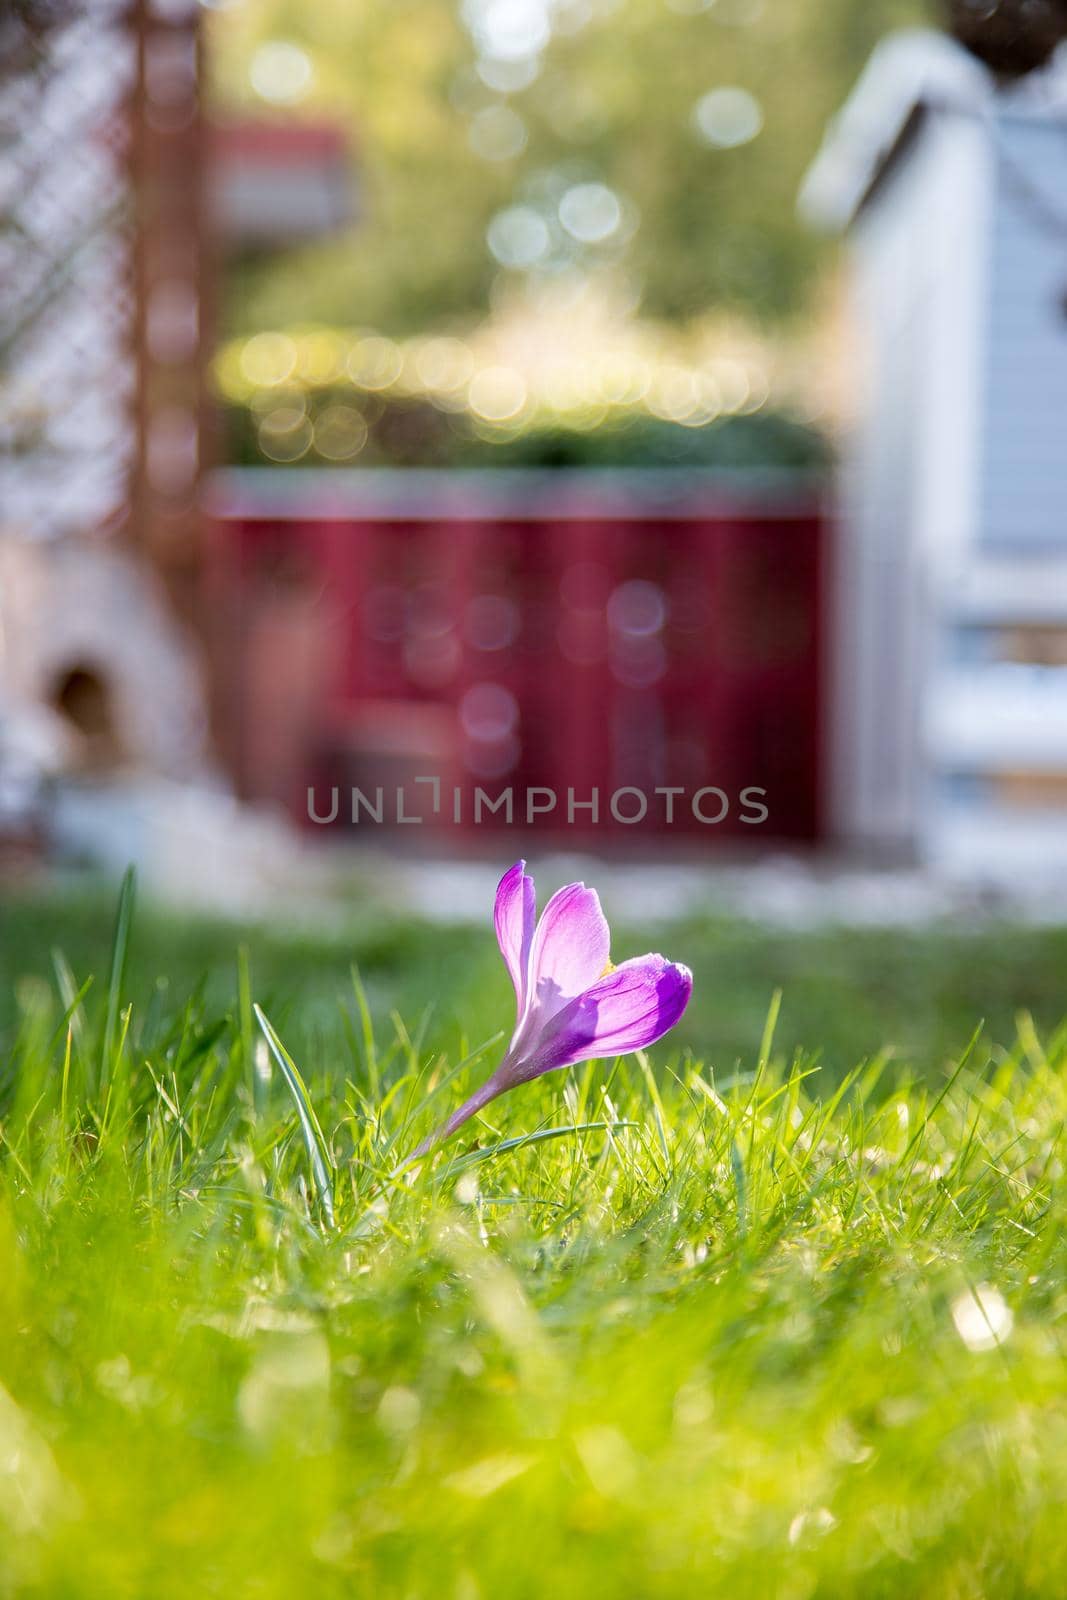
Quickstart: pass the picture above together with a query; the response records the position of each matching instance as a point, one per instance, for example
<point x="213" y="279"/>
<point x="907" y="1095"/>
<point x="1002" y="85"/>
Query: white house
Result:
<point x="951" y="574"/>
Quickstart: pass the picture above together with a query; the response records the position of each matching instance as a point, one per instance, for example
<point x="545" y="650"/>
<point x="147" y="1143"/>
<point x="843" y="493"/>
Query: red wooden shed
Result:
<point x="645" y="637"/>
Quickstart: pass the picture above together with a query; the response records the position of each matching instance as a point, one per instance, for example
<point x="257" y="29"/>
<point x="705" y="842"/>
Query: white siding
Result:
<point x="873" y="761"/>
<point x="910" y="468"/>
<point x="1024" y="468"/>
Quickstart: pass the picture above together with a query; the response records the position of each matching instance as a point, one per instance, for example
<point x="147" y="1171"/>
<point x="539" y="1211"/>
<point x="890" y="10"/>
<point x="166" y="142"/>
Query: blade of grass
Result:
<point x="314" y="1142"/>
<point x="65" y="1086"/>
<point x="370" y="1049"/>
<point x="70" y="994"/>
<point x="767" y="1041"/>
<point x="244" y="1012"/>
<point x="120" y="946"/>
<point x="737" y="1169"/>
<point x="657" y="1106"/>
<point x="473" y="1157"/>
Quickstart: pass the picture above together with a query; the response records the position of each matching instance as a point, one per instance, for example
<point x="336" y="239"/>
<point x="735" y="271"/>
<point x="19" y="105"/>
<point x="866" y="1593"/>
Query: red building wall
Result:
<point x="553" y="639"/>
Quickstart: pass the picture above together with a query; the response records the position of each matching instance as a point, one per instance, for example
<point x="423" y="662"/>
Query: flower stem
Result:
<point x="481" y="1097"/>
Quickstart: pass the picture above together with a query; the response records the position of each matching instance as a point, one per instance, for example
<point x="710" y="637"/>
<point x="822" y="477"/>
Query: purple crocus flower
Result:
<point x="572" y="1004"/>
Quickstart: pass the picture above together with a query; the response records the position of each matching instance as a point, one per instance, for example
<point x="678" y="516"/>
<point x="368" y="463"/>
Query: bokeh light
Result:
<point x="497" y="133"/>
<point x="501" y="386"/>
<point x="320" y="357"/>
<point x="268" y="359"/>
<point x="492" y="622"/>
<point x="489" y="721"/>
<point x="637" y="608"/>
<point x="281" y="72"/>
<point x="507" y="77"/>
<point x="375" y="363"/>
<point x="444" y="365"/>
<point x="498" y="394"/>
<point x="519" y="237"/>
<point x="488" y="711"/>
<point x="731" y="380"/>
<point x="728" y="117"/>
<point x="340" y="433"/>
<point x="285" y="434"/>
<point x="508" y="30"/>
<point x="674" y="394"/>
<point x="590" y="212"/>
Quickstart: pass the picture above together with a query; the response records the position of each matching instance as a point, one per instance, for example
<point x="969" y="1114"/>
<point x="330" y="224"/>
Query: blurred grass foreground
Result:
<point x="717" y="1322"/>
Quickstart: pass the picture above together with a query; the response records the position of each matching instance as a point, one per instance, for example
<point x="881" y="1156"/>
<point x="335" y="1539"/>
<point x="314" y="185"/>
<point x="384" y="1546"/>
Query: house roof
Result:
<point x="275" y="182"/>
<point x="909" y="73"/>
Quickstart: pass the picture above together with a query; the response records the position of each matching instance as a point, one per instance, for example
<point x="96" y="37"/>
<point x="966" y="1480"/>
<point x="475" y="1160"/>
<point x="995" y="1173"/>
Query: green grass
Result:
<point x="728" y="1321"/>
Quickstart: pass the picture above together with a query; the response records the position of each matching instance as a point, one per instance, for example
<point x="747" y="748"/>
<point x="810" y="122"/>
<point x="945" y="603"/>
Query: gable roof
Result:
<point x="908" y="74"/>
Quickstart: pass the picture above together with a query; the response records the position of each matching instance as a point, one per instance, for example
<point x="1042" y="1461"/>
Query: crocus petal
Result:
<point x="570" y="951"/>
<point x="570" y="1008"/>
<point x="627" y="1009"/>
<point x="515" y="915"/>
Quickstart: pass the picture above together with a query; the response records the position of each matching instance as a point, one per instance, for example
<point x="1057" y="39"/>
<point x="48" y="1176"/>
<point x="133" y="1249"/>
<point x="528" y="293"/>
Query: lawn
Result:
<point x="780" y="1311"/>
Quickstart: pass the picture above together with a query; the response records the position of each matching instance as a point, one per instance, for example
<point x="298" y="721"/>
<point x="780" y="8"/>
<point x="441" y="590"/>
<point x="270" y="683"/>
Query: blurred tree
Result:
<point x="502" y="141"/>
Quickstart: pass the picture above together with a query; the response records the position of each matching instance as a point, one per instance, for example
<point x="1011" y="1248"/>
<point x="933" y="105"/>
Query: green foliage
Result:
<point x="613" y="103"/>
<point x="731" y="1326"/>
<point x="846" y="992"/>
<point x="413" y="433"/>
<point x="765" y="441"/>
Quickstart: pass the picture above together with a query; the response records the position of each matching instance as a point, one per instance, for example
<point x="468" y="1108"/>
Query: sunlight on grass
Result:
<point x="653" y="1327"/>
